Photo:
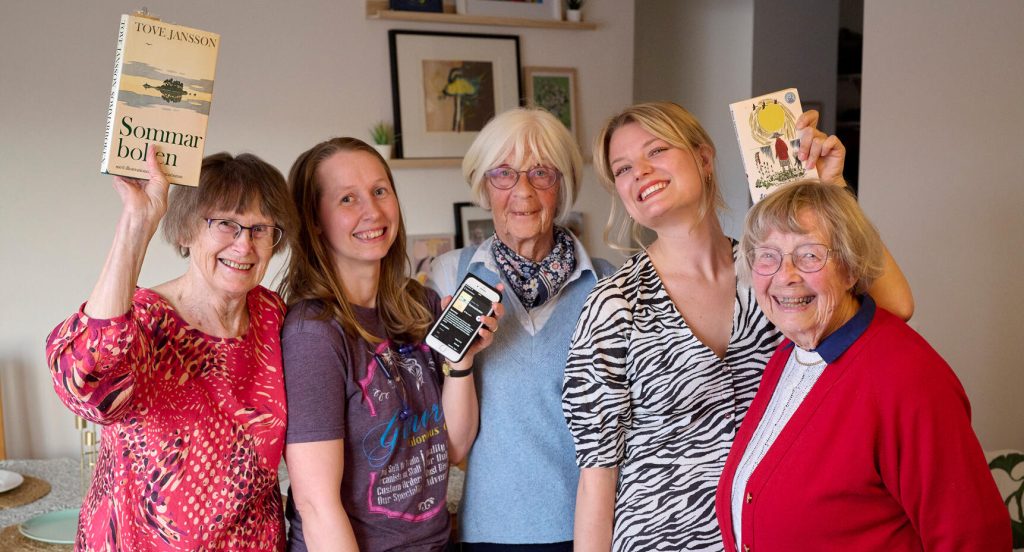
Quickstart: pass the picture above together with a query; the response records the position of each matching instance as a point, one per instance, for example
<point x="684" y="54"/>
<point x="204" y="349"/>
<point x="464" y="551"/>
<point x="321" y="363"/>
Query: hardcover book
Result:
<point x="766" y="131"/>
<point x="163" y="85"/>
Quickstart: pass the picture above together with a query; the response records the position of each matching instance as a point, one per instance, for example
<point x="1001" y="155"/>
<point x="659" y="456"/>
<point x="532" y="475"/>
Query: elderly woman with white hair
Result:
<point x="521" y="477"/>
<point x="859" y="436"/>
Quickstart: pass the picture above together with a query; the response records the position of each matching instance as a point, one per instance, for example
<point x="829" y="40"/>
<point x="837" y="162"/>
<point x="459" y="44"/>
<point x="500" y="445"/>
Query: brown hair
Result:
<point x="673" y="124"/>
<point x="227" y="183"/>
<point x="401" y="301"/>
<point x="854" y="241"/>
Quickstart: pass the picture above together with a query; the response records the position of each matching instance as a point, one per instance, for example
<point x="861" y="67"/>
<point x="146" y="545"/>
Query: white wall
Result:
<point x="940" y="176"/>
<point x="288" y="77"/>
<point x="699" y="55"/>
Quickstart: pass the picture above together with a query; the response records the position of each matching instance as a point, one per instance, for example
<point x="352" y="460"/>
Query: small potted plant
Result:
<point x="383" y="137"/>
<point x="573" y="13"/>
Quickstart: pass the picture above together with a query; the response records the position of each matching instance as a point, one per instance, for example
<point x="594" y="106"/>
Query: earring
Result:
<point x="707" y="179"/>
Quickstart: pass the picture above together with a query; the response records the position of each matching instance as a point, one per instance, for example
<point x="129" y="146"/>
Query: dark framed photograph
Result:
<point x="416" y="5"/>
<point x="473" y="224"/>
<point x="554" y="89"/>
<point x="446" y="86"/>
<point x="422" y="248"/>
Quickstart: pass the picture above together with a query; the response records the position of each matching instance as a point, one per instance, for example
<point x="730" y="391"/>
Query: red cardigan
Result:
<point x="879" y="456"/>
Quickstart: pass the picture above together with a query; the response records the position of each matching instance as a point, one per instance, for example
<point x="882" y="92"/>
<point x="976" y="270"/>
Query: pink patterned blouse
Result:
<point x="194" y="426"/>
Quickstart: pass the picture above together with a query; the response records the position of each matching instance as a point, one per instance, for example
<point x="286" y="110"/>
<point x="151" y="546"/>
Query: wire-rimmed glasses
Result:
<point x="506" y="178"/>
<point x="227" y="230"/>
<point x="807" y="258"/>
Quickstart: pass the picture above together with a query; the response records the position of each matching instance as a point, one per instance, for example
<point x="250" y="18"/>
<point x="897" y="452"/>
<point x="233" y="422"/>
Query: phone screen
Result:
<point x="458" y="324"/>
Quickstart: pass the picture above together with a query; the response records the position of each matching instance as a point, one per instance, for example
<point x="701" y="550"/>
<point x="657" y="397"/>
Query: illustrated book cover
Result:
<point x="766" y="131"/>
<point x="163" y="86"/>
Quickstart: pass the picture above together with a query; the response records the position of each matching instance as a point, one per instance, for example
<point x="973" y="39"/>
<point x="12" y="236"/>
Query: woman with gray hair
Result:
<point x="859" y="436"/>
<point x="521" y="477"/>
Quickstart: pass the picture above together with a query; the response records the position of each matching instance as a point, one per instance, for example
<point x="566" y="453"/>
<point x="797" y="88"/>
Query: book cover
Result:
<point x="766" y="131"/>
<point x="163" y="85"/>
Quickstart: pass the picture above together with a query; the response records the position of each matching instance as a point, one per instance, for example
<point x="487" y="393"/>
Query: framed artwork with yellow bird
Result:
<point x="446" y="86"/>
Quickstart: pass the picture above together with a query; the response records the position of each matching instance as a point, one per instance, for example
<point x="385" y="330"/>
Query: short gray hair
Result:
<point x="522" y="132"/>
<point x="854" y="241"/>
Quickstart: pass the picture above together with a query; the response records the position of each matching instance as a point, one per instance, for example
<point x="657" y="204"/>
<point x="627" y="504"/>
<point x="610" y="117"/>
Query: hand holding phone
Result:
<point x="458" y="325"/>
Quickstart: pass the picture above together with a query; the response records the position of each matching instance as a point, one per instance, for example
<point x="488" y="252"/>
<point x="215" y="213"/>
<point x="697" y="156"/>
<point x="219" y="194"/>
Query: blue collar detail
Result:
<point x="833" y="346"/>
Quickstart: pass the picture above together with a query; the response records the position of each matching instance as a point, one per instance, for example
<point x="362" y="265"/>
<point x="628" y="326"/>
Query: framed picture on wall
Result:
<point x="473" y="224"/>
<point x="535" y="9"/>
<point x="423" y="248"/>
<point x="446" y="86"/>
<point x="554" y="89"/>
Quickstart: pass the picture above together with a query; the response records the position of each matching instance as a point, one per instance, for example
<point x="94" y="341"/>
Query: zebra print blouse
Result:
<point x="642" y="393"/>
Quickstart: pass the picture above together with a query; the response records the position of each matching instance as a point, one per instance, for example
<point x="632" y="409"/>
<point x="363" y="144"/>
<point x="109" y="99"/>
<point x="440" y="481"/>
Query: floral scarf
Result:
<point x="536" y="282"/>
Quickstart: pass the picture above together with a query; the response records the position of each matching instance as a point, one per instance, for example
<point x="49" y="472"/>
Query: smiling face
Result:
<point x="806" y="307"/>
<point x="231" y="267"/>
<point x="357" y="211"/>
<point x="524" y="215"/>
<point x="654" y="178"/>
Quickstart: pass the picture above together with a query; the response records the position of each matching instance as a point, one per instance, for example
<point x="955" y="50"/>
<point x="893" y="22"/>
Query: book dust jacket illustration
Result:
<point x="161" y="94"/>
<point x="766" y="131"/>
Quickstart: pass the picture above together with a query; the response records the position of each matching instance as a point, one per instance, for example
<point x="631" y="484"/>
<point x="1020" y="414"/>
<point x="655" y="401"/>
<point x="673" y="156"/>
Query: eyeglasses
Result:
<point x="506" y="178"/>
<point x="227" y="230"/>
<point x="807" y="258"/>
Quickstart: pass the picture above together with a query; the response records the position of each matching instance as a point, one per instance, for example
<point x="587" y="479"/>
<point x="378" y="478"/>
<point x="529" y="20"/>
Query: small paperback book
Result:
<point x="163" y="85"/>
<point x="766" y="131"/>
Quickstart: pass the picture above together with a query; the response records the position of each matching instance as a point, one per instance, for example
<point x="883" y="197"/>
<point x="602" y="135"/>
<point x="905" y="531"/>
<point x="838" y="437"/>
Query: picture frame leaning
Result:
<point x="446" y="86"/>
<point x="473" y="224"/>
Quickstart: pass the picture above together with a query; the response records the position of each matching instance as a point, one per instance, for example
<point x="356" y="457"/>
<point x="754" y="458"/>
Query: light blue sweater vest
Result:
<point x="521" y="477"/>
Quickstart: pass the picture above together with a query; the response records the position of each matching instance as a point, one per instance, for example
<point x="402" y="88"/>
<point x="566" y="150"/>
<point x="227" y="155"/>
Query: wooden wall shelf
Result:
<point x="426" y="163"/>
<point x="376" y="9"/>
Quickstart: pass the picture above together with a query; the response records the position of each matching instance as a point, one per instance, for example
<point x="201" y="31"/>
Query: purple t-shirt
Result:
<point x="396" y="464"/>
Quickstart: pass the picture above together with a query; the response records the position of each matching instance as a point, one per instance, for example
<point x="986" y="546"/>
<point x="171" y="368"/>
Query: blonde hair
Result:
<point x="676" y="126"/>
<point x="232" y="184"/>
<point x="522" y="132"/>
<point x="854" y="241"/>
<point x="401" y="301"/>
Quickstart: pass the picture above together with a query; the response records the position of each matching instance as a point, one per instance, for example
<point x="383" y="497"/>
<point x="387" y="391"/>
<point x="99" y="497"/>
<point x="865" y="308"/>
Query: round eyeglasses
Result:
<point x="227" y="230"/>
<point x="807" y="258"/>
<point x="506" y="178"/>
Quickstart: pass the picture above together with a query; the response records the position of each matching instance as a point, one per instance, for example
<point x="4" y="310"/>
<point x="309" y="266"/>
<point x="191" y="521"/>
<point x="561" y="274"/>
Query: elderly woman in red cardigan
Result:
<point x="859" y="437"/>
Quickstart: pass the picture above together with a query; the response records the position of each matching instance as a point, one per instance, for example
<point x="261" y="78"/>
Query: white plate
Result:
<point x="55" y="527"/>
<point x="10" y="480"/>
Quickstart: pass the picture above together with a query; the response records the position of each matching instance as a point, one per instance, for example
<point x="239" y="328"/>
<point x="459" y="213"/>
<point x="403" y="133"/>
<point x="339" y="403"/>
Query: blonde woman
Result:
<point x="669" y="350"/>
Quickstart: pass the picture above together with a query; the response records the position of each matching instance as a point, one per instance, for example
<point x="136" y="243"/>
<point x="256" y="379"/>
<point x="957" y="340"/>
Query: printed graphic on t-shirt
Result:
<point x="407" y="451"/>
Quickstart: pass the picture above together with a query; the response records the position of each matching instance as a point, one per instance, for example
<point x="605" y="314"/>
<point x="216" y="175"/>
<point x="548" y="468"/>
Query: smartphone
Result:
<point x="457" y="326"/>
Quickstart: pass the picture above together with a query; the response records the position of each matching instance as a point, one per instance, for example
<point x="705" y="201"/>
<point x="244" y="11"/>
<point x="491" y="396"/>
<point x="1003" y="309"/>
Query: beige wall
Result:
<point x="699" y="55"/>
<point x="286" y="79"/>
<point x="940" y="176"/>
<point x="941" y="125"/>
